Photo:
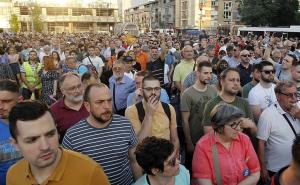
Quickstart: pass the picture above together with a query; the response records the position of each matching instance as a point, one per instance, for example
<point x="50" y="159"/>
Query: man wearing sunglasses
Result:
<point x="245" y="68"/>
<point x="262" y="95"/>
<point x="277" y="129"/>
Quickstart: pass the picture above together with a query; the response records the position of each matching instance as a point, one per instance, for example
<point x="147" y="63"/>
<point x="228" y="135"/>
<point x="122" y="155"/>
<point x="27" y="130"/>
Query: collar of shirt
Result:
<point x="58" y="172"/>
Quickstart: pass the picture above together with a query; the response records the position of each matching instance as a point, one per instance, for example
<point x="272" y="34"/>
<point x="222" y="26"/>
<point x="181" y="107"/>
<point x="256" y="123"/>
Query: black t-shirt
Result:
<point x="156" y="68"/>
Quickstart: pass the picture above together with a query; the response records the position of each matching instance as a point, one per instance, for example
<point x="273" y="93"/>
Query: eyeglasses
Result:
<point x="246" y="55"/>
<point x="291" y="95"/>
<point x="150" y="89"/>
<point x="235" y="124"/>
<point x="269" y="71"/>
<point x="74" y="88"/>
<point x="173" y="161"/>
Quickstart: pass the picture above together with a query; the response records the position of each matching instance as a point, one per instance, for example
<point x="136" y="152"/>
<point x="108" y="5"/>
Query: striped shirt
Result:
<point x="108" y="146"/>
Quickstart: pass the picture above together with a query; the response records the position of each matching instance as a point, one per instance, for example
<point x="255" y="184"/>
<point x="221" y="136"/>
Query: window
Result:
<point x="57" y="11"/>
<point x="227" y="15"/>
<point x="81" y="11"/>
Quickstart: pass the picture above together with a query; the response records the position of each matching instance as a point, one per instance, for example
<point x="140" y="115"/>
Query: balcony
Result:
<point x="26" y="18"/>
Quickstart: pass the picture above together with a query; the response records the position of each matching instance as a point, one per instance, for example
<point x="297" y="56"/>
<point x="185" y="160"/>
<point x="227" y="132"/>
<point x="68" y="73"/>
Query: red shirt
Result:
<point x="65" y="117"/>
<point x="235" y="163"/>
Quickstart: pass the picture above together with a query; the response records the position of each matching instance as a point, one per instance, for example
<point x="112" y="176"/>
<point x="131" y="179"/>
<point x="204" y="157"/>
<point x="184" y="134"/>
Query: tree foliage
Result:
<point x="14" y="23"/>
<point x="269" y="12"/>
<point x="37" y="20"/>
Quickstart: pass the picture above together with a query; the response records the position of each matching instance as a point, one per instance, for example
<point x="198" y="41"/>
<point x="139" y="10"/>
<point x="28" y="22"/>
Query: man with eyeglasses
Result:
<point x="245" y="68"/>
<point x="277" y="129"/>
<point x="70" y="109"/>
<point x="262" y="95"/>
<point x="159" y="118"/>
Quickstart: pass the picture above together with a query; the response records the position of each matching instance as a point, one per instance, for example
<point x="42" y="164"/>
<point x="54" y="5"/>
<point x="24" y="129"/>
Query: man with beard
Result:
<point x="277" y="129"/>
<point x="193" y="101"/>
<point x="107" y="138"/>
<point x="230" y="83"/>
<point x="256" y="70"/>
<point x="262" y="95"/>
<point x="9" y="97"/>
<point x="34" y="134"/>
<point x="70" y="109"/>
<point x="120" y="87"/>
<point x="159" y="118"/>
<point x="296" y="75"/>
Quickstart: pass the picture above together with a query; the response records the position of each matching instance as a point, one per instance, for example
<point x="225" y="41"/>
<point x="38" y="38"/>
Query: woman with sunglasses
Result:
<point x="225" y="155"/>
<point x="160" y="162"/>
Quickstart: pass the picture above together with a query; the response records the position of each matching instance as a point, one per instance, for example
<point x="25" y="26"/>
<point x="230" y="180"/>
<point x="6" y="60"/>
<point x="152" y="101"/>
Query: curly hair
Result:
<point x="152" y="152"/>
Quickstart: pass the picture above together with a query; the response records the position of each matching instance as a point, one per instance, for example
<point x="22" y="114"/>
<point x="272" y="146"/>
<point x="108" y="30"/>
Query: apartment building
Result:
<point x="69" y="16"/>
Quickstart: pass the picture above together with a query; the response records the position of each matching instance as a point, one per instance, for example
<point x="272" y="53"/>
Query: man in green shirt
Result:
<point x="230" y="83"/>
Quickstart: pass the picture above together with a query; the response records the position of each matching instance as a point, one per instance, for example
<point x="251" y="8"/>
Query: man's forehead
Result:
<point x="7" y="95"/>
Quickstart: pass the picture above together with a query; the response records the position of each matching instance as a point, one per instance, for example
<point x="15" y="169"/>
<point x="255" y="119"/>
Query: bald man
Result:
<point x="245" y="68"/>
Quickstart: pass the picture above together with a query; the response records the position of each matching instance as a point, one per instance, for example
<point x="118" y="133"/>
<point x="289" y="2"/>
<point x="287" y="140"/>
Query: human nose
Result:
<point x="44" y="143"/>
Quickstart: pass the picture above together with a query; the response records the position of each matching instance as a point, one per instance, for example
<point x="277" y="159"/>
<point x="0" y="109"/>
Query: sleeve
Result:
<point x="187" y="82"/>
<point x="201" y="166"/>
<point x="133" y="138"/>
<point x="164" y="97"/>
<point x="101" y="63"/>
<point x="251" y="157"/>
<point x="263" y="127"/>
<point x="206" y="114"/>
<point x="185" y="102"/>
<point x="176" y="75"/>
<point x="67" y="142"/>
<point x="22" y="70"/>
<point x="132" y="114"/>
<point x="99" y="177"/>
<point x="129" y="99"/>
<point x="252" y="99"/>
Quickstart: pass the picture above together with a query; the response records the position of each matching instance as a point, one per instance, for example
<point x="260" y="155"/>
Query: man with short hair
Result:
<point x="34" y="134"/>
<point x="140" y="56"/>
<point x="159" y="118"/>
<point x="289" y="174"/>
<point x="256" y="72"/>
<point x="137" y="95"/>
<point x="184" y="67"/>
<point x="262" y="95"/>
<point x="94" y="63"/>
<point x="9" y="97"/>
<point x="230" y="83"/>
<point x="295" y="74"/>
<point x="70" y="109"/>
<point x="277" y="128"/>
<point x="230" y="58"/>
<point x="245" y="68"/>
<point x="31" y="81"/>
<point x="120" y="87"/>
<point x="107" y="138"/>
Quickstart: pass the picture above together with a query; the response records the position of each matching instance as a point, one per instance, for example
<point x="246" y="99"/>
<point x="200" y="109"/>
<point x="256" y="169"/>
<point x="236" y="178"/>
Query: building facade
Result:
<point x="206" y="14"/>
<point x="153" y="15"/>
<point x="72" y="16"/>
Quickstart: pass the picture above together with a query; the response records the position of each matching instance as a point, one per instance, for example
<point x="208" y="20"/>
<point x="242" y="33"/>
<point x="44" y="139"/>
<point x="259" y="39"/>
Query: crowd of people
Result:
<point x="157" y="109"/>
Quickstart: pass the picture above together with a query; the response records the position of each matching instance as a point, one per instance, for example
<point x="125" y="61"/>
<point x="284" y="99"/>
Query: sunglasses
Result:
<point x="136" y="46"/>
<point x="269" y="71"/>
<point x="246" y="55"/>
<point x="235" y="124"/>
<point x="173" y="161"/>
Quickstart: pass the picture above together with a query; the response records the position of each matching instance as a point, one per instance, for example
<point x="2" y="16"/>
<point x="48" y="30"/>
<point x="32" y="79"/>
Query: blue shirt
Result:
<point x="8" y="153"/>
<point x="183" y="178"/>
<point x="164" y="97"/>
<point x="122" y="90"/>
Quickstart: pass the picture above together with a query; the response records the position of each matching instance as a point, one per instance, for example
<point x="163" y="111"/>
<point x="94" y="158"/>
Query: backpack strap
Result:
<point x="140" y="110"/>
<point x="167" y="110"/>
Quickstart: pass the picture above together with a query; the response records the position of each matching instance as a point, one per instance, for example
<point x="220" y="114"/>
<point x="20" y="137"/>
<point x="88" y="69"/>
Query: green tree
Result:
<point x="269" y="12"/>
<point x="14" y="23"/>
<point x="36" y="17"/>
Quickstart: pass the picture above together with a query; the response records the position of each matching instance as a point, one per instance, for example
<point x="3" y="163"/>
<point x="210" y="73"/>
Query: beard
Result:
<point x="267" y="79"/>
<point x="100" y="119"/>
<point x="74" y="99"/>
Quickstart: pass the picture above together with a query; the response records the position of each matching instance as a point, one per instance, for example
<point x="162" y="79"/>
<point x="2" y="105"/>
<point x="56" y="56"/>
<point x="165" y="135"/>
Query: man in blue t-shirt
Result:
<point x="9" y="97"/>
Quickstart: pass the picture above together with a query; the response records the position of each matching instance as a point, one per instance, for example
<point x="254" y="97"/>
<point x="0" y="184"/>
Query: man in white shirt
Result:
<point x="277" y="129"/>
<point x="262" y="95"/>
<point x="93" y="61"/>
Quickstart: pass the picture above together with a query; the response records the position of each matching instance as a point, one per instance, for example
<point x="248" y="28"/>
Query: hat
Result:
<point x="128" y="59"/>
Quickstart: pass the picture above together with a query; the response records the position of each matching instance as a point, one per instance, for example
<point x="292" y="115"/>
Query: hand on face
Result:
<point x="152" y="104"/>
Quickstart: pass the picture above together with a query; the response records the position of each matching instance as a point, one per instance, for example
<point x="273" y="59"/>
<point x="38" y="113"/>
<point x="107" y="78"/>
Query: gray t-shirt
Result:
<point x="194" y="101"/>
